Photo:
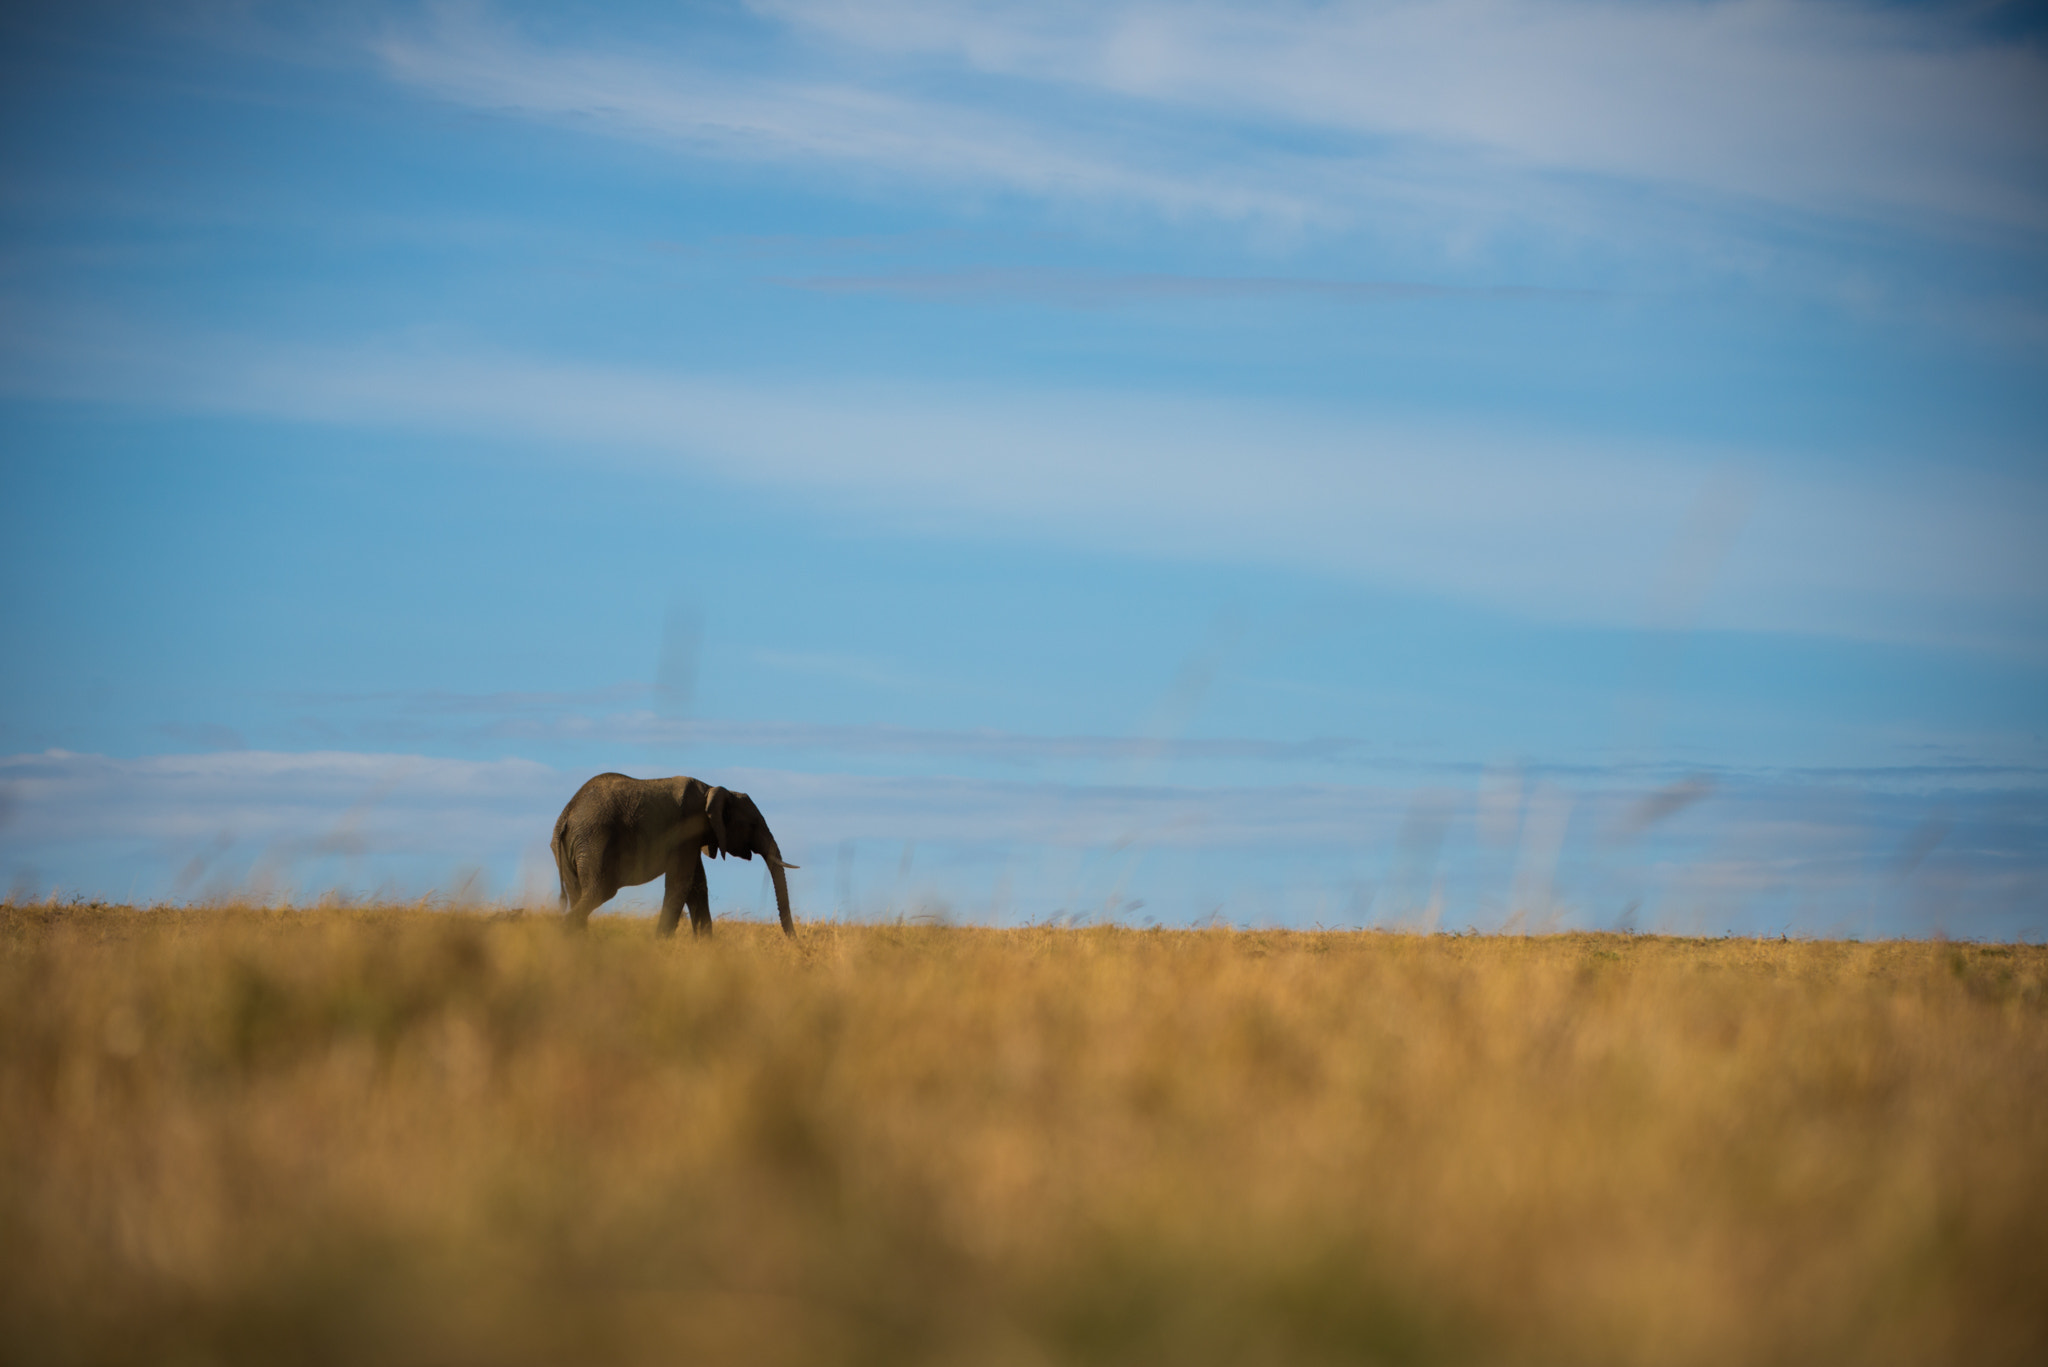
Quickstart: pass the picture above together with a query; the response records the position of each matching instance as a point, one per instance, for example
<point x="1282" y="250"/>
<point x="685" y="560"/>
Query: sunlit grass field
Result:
<point x="417" y="1136"/>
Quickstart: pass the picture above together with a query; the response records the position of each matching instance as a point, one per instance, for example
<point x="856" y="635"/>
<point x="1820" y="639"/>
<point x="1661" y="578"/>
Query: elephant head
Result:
<point x="739" y="830"/>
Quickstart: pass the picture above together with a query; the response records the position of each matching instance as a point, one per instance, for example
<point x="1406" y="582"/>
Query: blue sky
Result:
<point x="1465" y="462"/>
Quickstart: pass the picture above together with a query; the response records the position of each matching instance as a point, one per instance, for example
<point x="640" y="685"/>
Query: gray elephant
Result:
<point x="620" y="832"/>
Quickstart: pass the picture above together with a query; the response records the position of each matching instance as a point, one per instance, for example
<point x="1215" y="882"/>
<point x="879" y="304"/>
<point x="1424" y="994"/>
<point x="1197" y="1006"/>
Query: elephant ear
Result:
<point x="716" y="805"/>
<point x="747" y="818"/>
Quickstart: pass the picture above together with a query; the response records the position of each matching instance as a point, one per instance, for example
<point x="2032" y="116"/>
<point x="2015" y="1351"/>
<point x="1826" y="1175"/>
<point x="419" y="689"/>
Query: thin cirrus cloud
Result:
<point x="207" y="825"/>
<point x="339" y="801"/>
<point x="1139" y="757"/>
<point x="1554" y="526"/>
<point x="1817" y="105"/>
<point x="1093" y="288"/>
<point x="1231" y="110"/>
<point x="642" y="729"/>
<point x="441" y="719"/>
<point x="689" y="106"/>
<point x="262" y="795"/>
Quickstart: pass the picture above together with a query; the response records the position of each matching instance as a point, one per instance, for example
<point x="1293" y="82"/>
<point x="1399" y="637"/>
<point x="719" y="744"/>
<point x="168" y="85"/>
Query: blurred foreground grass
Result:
<point x="409" y="1136"/>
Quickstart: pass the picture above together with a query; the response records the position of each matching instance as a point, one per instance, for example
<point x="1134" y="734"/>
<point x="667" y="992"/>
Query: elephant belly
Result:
<point x="635" y="862"/>
<point x="639" y="856"/>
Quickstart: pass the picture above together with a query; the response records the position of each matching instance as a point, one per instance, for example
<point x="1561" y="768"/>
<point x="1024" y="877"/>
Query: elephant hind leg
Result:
<point x="592" y="890"/>
<point x="579" y="910"/>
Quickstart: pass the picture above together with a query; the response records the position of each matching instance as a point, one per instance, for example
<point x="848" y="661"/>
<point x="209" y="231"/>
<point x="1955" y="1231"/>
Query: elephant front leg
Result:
<point x="699" y="899"/>
<point x="675" y="887"/>
<point x="683" y="886"/>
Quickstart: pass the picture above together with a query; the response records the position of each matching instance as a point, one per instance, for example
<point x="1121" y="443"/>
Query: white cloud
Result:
<point x="1820" y="105"/>
<point x="341" y="802"/>
<point x="1516" y="517"/>
<point x="1093" y="289"/>
<point x="696" y="107"/>
<point x="1316" y="114"/>
<point x="347" y="800"/>
<point x="1823" y="851"/>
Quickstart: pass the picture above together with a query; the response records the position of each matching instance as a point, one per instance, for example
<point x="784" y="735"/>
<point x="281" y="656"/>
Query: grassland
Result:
<point x="411" y="1136"/>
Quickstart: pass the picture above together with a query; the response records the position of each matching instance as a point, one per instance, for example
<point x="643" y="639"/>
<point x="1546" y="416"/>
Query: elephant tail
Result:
<point x="565" y="864"/>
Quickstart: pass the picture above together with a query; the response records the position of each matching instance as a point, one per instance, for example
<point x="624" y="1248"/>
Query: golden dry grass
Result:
<point x="424" y="1137"/>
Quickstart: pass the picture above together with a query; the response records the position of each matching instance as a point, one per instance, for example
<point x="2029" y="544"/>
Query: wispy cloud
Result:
<point x="259" y="795"/>
<point x="1085" y="288"/>
<point x="1560" y="527"/>
<point x="1316" y="114"/>
<point x="442" y="720"/>
<point x="1824" y="856"/>
<point x="492" y="704"/>
<point x="703" y="109"/>
<point x="1819" y="105"/>
<point x="1004" y="747"/>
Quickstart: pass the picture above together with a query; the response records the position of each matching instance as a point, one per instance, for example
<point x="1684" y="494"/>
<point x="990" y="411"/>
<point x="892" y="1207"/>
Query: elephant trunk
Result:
<point x="773" y="858"/>
<point x="782" y="898"/>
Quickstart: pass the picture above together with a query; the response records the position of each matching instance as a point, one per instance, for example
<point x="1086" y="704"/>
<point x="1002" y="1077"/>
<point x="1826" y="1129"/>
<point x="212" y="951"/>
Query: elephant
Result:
<point x="620" y="832"/>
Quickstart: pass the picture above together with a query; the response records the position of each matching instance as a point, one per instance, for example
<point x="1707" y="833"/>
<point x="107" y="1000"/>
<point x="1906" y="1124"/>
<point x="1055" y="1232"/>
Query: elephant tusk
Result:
<point x="781" y="864"/>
